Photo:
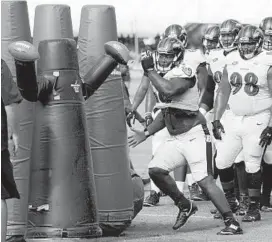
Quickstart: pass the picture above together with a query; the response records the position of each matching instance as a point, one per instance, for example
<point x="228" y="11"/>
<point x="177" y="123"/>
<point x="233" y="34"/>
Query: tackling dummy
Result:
<point x="63" y="197"/>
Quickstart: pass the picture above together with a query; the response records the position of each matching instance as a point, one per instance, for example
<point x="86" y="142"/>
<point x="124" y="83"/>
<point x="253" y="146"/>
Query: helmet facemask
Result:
<point x="228" y="40"/>
<point x="248" y="48"/>
<point x="267" y="42"/>
<point x="209" y="43"/>
<point x="167" y="61"/>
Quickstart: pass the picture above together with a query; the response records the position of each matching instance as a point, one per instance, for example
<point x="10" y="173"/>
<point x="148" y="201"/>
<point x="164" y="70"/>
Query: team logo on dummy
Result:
<point x="76" y="86"/>
<point x="187" y="70"/>
<point x="208" y="138"/>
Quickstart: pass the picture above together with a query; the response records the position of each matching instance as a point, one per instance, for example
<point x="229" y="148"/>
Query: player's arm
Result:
<point x="140" y="93"/>
<point x="266" y="135"/>
<point x="141" y="135"/>
<point x="172" y="87"/>
<point x="222" y="96"/>
<point x="206" y="87"/>
<point x="150" y="102"/>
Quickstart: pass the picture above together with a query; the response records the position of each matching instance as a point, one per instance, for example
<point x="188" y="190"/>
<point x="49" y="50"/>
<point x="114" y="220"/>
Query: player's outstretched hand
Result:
<point x="137" y="138"/>
<point x="266" y="137"/>
<point x="147" y="61"/>
<point x="218" y="129"/>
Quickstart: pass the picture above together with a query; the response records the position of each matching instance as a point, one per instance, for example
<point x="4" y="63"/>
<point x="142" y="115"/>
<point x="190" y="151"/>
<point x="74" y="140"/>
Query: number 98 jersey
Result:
<point x="250" y="93"/>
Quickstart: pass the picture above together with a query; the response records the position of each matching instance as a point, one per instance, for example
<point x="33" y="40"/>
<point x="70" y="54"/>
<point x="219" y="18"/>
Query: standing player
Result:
<point x="266" y="27"/>
<point x="246" y="86"/>
<point x="188" y="133"/>
<point x="217" y="44"/>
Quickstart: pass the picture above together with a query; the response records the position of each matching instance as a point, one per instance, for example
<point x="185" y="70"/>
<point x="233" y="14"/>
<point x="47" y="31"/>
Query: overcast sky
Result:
<point x="149" y="17"/>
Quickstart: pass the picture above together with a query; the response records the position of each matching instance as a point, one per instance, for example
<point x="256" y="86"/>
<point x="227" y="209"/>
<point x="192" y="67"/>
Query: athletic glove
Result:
<point x="217" y="129"/>
<point x="266" y="137"/>
<point x="147" y="61"/>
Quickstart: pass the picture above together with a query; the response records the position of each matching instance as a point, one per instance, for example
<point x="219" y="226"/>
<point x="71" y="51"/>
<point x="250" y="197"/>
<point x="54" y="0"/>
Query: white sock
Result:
<point x="190" y="179"/>
<point x="180" y="185"/>
<point x="153" y="186"/>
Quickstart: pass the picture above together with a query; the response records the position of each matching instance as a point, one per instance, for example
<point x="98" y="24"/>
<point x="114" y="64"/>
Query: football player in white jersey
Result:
<point x="266" y="27"/>
<point x="195" y="58"/>
<point x="188" y="133"/>
<point x="218" y="45"/>
<point x="246" y="86"/>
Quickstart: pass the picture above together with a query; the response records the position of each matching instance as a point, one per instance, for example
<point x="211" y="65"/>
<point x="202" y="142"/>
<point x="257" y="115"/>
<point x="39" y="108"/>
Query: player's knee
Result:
<point x="206" y="183"/>
<point x="155" y="172"/>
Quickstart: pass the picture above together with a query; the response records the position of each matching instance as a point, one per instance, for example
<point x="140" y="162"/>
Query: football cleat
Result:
<point x="253" y="213"/>
<point x="243" y="206"/>
<point x="232" y="228"/>
<point x="184" y="214"/>
<point x="152" y="200"/>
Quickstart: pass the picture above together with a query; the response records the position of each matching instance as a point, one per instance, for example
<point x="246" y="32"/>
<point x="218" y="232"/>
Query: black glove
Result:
<point x="147" y="61"/>
<point x="217" y="129"/>
<point x="266" y="137"/>
<point x="130" y="118"/>
<point x="148" y="119"/>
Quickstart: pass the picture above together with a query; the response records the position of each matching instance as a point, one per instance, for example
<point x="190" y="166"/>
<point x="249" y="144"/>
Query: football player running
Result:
<point x="188" y="133"/>
<point x="219" y="42"/>
<point x="146" y="89"/>
<point x="266" y="27"/>
<point x="246" y="86"/>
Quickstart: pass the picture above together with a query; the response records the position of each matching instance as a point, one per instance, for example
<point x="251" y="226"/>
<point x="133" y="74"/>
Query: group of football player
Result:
<point x="209" y="112"/>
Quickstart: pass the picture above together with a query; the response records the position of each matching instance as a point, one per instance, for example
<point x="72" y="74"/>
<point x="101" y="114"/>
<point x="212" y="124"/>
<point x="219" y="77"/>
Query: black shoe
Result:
<point x="213" y="211"/>
<point x="152" y="200"/>
<point x="253" y="213"/>
<point x="266" y="208"/>
<point x="184" y="214"/>
<point x="233" y="202"/>
<point x="243" y="206"/>
<point x="15" y="238"/>
<point x="232" y="228"/>
<point x="217" y="215"/>
<point x="195" y="192"/>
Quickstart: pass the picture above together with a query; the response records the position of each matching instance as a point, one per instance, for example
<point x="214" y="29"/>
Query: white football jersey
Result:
<point x="248" y="79"/>
<point x="189" y="99"/>
<point x="216" y="60"/>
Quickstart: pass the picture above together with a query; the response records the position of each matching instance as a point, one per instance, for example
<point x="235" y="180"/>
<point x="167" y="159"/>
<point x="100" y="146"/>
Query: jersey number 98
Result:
<point x="251" y="88"/>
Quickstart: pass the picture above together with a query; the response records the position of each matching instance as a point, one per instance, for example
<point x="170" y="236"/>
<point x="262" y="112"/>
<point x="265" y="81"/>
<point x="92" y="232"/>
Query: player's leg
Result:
<point x="4" y="219"/>
<point x="266" y="182"/>
<point x="157" y="140"/>
<point x="180" y="176"/>
<point x="253" y="152"/>
<point x="241" y="177"/>
<point x="227" y="150"/>
<point x="166" y="159"/>
<point x="199" y="161"/>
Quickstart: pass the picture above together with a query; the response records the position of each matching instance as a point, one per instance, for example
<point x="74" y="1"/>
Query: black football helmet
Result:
<point x="176" y="31"/>
<point x="266" y="27"/>
<point x="250" y="40"/>
<point x="229" y="30"/>
<point x="211" y="38"/>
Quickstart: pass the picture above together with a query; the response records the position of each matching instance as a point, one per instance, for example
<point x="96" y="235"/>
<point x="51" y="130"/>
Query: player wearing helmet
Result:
<point x="179" y="105"/>
<point x="246" y="86"/>
<point x="192" y="57"/>
<point x="216" y="56"/>
<point x="266" y="27"/>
